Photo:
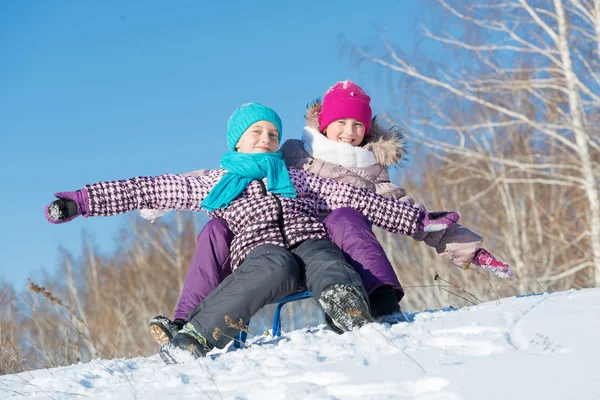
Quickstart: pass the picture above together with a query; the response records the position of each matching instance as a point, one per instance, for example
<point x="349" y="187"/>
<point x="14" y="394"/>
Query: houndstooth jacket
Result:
<point x="256" y="217"/>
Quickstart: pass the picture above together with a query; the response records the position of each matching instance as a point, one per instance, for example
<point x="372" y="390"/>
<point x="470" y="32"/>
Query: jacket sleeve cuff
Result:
<point x="84" y="203"/>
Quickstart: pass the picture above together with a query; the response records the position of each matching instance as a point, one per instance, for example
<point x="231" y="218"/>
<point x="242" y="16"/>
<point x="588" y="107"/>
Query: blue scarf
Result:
<point x="244" y="168"/>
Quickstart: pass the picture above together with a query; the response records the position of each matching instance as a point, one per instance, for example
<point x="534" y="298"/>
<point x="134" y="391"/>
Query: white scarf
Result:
<point x="340" y="153"/>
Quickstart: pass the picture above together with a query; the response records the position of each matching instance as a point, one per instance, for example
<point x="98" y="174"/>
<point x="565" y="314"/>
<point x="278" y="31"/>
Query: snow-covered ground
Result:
<point x="535" y="347"/>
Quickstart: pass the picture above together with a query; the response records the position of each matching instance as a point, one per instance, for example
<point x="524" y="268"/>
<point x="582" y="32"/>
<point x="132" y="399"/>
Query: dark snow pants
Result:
<point x="268" y="274"/>
<point x="347" y="228"/>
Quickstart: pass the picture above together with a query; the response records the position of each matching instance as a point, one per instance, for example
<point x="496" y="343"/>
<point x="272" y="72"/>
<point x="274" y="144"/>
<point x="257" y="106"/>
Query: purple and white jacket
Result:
<point x="256" y="217"/>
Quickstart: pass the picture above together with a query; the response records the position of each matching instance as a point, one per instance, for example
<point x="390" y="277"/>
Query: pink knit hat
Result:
<point x="345" y="99"/>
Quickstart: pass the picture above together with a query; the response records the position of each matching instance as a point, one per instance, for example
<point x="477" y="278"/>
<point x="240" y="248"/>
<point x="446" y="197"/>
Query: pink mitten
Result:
<point x="483" y="259"/>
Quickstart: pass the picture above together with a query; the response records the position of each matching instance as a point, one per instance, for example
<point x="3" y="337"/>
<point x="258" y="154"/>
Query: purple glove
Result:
<point x="68" y="206"/>
<point x="483" y="259"/>
<point x="436" y="221"/>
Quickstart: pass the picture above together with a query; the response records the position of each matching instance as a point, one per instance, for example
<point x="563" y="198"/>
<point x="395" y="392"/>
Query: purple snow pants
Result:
<point x="347" y="228"/>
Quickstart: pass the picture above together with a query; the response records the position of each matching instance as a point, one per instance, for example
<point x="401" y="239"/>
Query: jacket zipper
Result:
<point x="286" y="243"/>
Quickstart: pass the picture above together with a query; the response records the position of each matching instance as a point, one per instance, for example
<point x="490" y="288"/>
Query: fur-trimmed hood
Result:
<point x="386" y="144"/>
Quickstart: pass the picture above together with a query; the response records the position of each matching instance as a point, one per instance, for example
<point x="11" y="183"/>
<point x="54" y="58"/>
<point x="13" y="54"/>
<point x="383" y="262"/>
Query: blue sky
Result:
<point x="95" y="91"/>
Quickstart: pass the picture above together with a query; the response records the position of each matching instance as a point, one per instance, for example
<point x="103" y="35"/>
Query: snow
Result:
<point x="542" y="346"/>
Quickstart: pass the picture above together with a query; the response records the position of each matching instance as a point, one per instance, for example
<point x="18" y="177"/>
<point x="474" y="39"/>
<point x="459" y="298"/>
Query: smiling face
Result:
<point x="346" y="130"/>
<point x="260" y="137"/>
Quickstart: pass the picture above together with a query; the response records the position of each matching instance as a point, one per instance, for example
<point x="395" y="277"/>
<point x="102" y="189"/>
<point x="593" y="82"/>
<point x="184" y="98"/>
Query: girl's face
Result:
<point x="260" y="137"/>
<point x="346" y="130"/>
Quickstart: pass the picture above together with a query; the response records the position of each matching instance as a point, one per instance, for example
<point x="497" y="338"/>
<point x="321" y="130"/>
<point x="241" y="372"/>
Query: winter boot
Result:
<point x="162" y="329"/>
<point x="345" y="307"/>
<point x="385" y="307"/>
<point x="187" y="345"/>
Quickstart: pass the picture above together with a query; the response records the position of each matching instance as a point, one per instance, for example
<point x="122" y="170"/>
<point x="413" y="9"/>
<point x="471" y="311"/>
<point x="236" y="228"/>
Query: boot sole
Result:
<point x="159" y="335"/>
<point x="353" y="313"/>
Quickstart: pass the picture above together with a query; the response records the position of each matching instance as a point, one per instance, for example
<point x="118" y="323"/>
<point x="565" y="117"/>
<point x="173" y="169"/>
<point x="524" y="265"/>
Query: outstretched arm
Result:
<point x="390" y="214"/>
<point x="151" y="215"/>
<point x="163" y="192"/>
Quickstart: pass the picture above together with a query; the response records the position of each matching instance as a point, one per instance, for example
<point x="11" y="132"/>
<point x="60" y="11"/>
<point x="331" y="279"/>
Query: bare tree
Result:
<point x="510" y="114"/>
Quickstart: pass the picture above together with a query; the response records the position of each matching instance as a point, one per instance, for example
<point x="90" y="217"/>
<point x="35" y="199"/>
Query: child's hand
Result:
<point x="436" y="221"/>
<point x="68" y="206"/>
<point x="483" y="259"/>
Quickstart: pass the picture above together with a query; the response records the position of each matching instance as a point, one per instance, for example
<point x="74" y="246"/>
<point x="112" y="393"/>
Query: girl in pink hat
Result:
<point x="340" y="141"/>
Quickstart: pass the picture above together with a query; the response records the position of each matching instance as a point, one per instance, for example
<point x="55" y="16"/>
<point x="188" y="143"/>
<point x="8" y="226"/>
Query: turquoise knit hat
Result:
<point x="246" y="115"/>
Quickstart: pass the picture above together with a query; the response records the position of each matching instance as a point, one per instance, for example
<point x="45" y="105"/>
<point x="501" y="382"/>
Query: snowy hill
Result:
<point x="540" y="346"/>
